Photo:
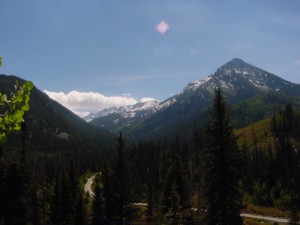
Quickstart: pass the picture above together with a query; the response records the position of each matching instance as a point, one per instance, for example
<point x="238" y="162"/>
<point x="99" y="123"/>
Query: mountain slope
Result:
<point x="117" y="118"/>
<point x="53" y="127"/>
<point x="187" y="110"/>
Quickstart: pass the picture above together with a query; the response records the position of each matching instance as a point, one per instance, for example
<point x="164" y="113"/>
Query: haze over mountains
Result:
<point x="240" y="82"/>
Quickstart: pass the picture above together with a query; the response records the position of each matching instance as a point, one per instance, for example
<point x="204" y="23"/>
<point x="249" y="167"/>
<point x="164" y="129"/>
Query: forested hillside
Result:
<point x="169" y="177"/>
<point x="252" y="94"/>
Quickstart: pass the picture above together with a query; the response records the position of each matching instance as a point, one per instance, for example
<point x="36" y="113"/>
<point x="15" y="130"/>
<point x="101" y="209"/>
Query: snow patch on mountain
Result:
<point x="234" y="77"/>
<point x="194" y="85"/>
<point x="259" y="85"/>
<point x="129" y="111"/>
<point x="167" y="103"/>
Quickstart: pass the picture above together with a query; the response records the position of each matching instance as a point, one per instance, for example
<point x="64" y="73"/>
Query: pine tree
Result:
<point x="175" y="177"/>
<point x="175" y="213"/>
<point x="56" y="203"/>
<point x="98" y="204"/>
<point x="80" y="211"/>
<point x="294" y="220"/>
<point x="62" y="203"/>
<point x="121" y="185"/>
<point x="120" y="179"/>
<point x="221" y="168"/>
<point x="109" y="207"/>
<point x="16" y="208"/>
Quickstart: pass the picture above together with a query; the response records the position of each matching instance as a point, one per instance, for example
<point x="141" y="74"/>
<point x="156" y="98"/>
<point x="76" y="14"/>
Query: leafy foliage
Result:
<point x="13" y="108"/>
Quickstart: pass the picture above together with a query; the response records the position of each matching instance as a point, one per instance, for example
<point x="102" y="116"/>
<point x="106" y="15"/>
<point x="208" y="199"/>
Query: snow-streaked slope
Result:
<point x="128" y="111"/>
<point x="238" y="80"/>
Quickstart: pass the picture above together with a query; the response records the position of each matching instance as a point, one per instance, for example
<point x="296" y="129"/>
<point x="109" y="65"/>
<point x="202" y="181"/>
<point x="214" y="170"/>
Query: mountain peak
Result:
<point x="236" y="63"/>
<point x="237" y="60"/>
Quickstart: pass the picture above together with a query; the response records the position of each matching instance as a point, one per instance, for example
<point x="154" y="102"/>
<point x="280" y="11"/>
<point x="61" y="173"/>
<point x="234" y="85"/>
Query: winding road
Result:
<point x="267" y="218"/>
<point x="88" y="189"/>
<point x="88" y="186"/>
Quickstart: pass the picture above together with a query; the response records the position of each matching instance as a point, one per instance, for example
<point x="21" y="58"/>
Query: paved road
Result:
<point x="88" y="186"/>
<point x="88" y="189"/>
<point x="267" y="218"/>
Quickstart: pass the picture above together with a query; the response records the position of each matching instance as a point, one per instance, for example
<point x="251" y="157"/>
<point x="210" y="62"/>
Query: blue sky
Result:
<point x="111" y="48"/>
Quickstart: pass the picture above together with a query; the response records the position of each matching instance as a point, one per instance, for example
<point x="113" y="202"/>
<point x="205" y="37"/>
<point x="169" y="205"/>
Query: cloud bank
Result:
<point x="82" y="103"/>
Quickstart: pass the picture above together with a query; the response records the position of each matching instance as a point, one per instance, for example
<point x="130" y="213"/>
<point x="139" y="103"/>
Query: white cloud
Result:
<point x="148" y="99"/>
<point x="81" y="103"/>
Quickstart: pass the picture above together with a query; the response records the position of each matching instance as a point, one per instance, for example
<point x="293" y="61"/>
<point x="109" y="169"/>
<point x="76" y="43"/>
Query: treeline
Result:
<point x="182" y="181"/>
<point x="272" y="175"/>
<point x="201" y="180"/>
<point x="45" y="187"/>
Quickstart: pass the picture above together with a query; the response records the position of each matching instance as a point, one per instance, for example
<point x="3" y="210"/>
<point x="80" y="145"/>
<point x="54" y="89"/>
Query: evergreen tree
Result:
<point x="221" y="168"/>
<point x="176" y="193"/>
<point x="121" y="183"/>
<point x="120" y="179"/>
<point x="98" y="204"/>
<point x="62" y="203"/>
<point x="175" y="212"/>
<point x="175" y="178"/>
<point x="80" y="211"/>
<point x="289" y="120"/>
<point x="15" y="203"/>
<point x="56" y="203"/>
<point x="294" y="220"/>
<point x="109" y="207"/>
<point x="35" y="204"/>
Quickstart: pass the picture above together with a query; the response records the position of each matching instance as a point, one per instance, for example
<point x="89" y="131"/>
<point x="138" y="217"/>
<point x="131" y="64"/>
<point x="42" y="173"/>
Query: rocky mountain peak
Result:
<point x="238" y="80"/>
<point x="236" y="63"/>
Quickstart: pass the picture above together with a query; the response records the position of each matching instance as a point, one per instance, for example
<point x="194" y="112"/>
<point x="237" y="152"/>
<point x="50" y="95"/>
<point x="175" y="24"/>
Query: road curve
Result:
<point x="88" y="186"/>
<point x="88" y="189"/>
<point x="267" y="218"/>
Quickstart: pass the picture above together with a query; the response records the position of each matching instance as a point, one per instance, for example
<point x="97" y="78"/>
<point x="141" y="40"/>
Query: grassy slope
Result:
<point x="257" y="133"/>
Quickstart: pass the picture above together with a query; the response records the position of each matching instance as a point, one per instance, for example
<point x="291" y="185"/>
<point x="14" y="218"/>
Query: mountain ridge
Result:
<point x="238" y="80"/>
<point x="52" y="125"/>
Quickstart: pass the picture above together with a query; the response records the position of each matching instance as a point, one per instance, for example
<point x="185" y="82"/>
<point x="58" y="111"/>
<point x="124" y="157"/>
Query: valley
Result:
<point x="252" y="94"/>
<point x="235" y="130"/>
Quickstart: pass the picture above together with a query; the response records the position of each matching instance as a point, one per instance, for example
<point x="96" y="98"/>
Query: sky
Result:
<point x="93" y="54"/>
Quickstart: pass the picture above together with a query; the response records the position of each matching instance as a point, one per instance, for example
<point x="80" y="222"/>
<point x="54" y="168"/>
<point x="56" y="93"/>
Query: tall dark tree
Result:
<point x="15" y="203"/>
<point x="121" y="178"/>
<point x="121" y="183"/>
<point x="80" y="217"/>
<point x="98" y="204"/>
<point x="62" y="203"/>
<point x="109" y="207"/>
<point x="175" y="213"/>
<point x="221" y="167"/>
<point x="294" y="219"/>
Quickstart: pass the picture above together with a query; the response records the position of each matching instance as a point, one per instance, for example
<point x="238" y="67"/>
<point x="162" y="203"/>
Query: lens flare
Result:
<point x="162" y="27"/>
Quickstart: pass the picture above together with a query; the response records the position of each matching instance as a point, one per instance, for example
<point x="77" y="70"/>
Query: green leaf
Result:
<point x="4" y="98"/>
<point x="3" y="137"/>
<point x="19" y="98"/>
<point x="17" y="126"/>
<point x="2" y="126"/>
<point x="17" y="104"/>
<point x="18" y="116"/>
<point x="27" y="86"/>
<point x="25" y="107"/>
